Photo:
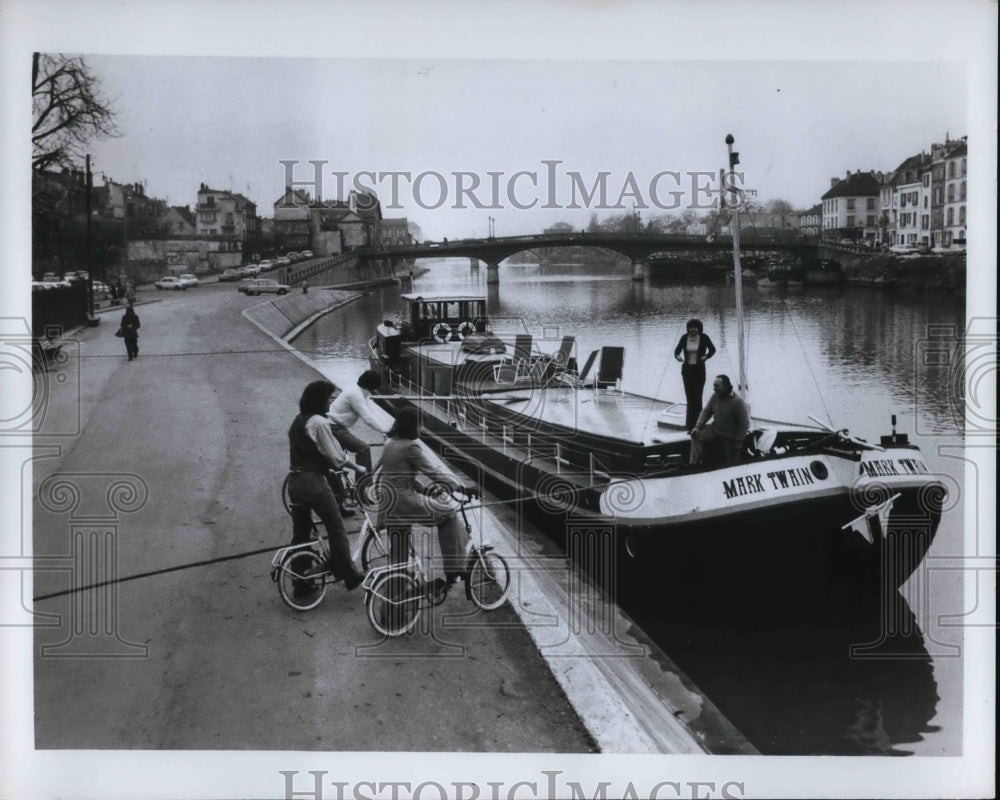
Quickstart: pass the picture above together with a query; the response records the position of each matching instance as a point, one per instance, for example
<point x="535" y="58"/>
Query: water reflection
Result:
<point x="785" y="673"/>
<point x="823" y="682"/>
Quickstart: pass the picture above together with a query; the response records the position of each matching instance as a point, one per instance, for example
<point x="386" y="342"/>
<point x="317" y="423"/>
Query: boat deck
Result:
<point x="627" y="417"/>
<point x="610" y="413"/>
<point x="606" y="412"/>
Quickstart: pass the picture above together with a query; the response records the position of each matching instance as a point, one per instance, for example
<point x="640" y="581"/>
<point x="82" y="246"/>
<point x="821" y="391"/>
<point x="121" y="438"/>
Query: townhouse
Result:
<point x="850" y="206"/>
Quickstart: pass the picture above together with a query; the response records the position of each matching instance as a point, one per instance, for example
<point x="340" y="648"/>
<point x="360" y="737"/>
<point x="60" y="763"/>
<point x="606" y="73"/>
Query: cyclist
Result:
<point x="355" y="403"/>
<point x="402" y="503"/>
<point x="312" y="451"/>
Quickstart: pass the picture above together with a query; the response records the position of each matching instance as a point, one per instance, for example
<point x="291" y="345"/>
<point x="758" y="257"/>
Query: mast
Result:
<point x="743" y="386"/>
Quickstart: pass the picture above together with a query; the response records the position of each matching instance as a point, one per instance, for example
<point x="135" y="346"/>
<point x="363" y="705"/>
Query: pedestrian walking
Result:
<point x="129" y="329"/>
<point x="693" y="350"/>
<point x="130" y="293"/>
<point x="305" y="287"/>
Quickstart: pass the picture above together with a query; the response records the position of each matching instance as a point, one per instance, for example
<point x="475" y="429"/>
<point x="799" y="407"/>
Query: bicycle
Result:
<point x="395" y="595"/>
<point x="291" y="565"/>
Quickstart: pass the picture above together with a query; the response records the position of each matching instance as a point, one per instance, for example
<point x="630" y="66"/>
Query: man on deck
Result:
<point x="730" y="422"/>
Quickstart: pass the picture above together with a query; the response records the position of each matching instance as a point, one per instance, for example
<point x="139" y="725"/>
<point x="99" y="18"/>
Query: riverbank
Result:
<point x="945" y="274"/>
<point x="202" y="653"/>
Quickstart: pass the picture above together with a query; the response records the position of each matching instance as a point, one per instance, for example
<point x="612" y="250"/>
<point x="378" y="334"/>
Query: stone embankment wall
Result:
<point x="337" y="270"/>
<point x="282" y="315"/>
<point x="933" y="273"/>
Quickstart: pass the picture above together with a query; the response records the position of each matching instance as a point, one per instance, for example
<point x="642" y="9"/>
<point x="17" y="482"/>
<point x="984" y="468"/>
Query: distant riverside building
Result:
<point x="955" y="176"/>
<point x="850" y="206"/>
<point x="911" y="200"/>
<point x="396" y="232"/>
<point x="227" y="214"/>
<point x="811" y="221"/>
<point x="178" y="220"/>
<point x="922" y="202"/>
<point x="330" y="227"/>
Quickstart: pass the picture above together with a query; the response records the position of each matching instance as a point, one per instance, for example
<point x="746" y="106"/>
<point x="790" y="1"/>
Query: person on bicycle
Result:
<point x="402" y="503"/>
<point x="312" y="452"/>
<point x="355" y="403"/>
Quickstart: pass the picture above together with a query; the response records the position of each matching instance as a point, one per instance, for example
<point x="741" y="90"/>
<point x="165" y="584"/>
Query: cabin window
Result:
<point x="452" y="310"/>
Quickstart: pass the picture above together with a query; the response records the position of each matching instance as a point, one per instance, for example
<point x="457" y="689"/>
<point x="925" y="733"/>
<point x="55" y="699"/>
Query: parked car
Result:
<point x="265" y="265"/>
<point x="282" y="261"/>
<point x="189" y="279"/>
<point x="262" y="285"/>
<point x="49" y="277"/>
<point x="230" y="275"/>
<point x="170" y="282"/>
<point x="248" y="270"/>
<point x="902" y="249"/>
<point x="293" y="256"/>
<point x="307" y="253"/>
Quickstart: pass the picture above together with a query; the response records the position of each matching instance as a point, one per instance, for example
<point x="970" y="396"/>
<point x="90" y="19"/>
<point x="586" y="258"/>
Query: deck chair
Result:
<point x="561" y="357"/>
<point x="520" y="360"/>
<point x="612" y="365"/>
<point x="578" y="380"/>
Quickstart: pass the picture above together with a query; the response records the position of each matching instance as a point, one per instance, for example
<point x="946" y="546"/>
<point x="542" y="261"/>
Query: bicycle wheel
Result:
<point x="393" y="604"/>
<point x="297" y="591"/>
<point x="489" y="580"/>
<point x="374" y="547"/>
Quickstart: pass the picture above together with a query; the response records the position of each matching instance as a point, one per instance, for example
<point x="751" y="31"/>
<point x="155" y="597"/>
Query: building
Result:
<point x="955" y="177"/>
<point x="327" y="228"/>
<point x="396" y="232"/>
<point x="178" y="221"/>
<point x="228" y="215"/>
<point x="912" y="199"/>
<point x="811" y="222"/>
<point x="850" y="206"/>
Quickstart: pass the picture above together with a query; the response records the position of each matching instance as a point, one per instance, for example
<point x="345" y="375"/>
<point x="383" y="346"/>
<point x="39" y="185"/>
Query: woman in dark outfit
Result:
<point x="693" y="350"/>
<point x="130" y="332"/>
<point x="312" y="451"/>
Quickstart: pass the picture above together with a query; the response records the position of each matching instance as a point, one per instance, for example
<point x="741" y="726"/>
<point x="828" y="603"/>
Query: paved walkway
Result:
<point x="169" y="467"/>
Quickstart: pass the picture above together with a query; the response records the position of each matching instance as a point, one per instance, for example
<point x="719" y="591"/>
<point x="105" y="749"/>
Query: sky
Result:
<point x="231" y="121"/>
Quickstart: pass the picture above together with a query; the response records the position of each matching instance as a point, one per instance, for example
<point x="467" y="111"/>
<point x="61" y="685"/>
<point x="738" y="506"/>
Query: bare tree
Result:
<point x="69" y="109"/>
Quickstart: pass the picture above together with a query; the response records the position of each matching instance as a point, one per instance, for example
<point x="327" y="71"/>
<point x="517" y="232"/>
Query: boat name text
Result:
<point x="758" y="482"/>
<point x="887" y="467"/>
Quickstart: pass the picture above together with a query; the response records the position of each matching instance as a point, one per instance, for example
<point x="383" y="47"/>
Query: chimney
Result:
<point x="834" y="182"/>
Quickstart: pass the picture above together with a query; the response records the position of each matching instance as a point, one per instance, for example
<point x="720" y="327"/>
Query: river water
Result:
<point x="852" y="677"/>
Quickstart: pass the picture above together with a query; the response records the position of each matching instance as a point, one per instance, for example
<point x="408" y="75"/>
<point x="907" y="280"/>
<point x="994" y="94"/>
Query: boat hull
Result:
<point x="782" y="516"/>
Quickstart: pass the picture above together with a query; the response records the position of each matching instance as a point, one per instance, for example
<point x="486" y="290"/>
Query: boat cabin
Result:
<point x="438" y="318"/>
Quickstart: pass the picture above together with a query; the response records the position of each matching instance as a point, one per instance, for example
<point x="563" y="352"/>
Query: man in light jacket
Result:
<point x="355" y="403"/>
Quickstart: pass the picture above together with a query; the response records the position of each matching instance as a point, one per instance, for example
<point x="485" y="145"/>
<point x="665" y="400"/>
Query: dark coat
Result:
<point x="706" y="349"/>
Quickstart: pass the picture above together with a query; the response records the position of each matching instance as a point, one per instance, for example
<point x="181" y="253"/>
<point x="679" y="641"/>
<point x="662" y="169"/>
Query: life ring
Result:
<point x="441" y="332"/>
<point x="465" y="328"/>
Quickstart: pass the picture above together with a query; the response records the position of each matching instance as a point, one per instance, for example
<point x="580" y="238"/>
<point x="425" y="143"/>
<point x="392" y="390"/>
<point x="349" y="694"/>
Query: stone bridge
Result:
<point x="639" y="247"/>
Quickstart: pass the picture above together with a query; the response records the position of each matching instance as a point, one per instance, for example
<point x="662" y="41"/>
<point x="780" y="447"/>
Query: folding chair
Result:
<point x="578" y="380"/>
<point x="609" y="374"/>
<point x="561" y="357"/>
<point x="520" y="360"/>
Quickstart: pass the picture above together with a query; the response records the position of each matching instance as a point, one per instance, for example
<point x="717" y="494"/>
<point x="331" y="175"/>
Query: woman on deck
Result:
<point x="693" y="350"/>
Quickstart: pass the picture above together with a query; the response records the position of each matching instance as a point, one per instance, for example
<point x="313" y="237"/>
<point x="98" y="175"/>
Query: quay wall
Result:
<point x="919" y="274"/>
<point x="283" y="315"/>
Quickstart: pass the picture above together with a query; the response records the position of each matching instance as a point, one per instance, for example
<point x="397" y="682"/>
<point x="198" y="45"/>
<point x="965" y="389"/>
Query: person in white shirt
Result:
<point x="355" y="403"/>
